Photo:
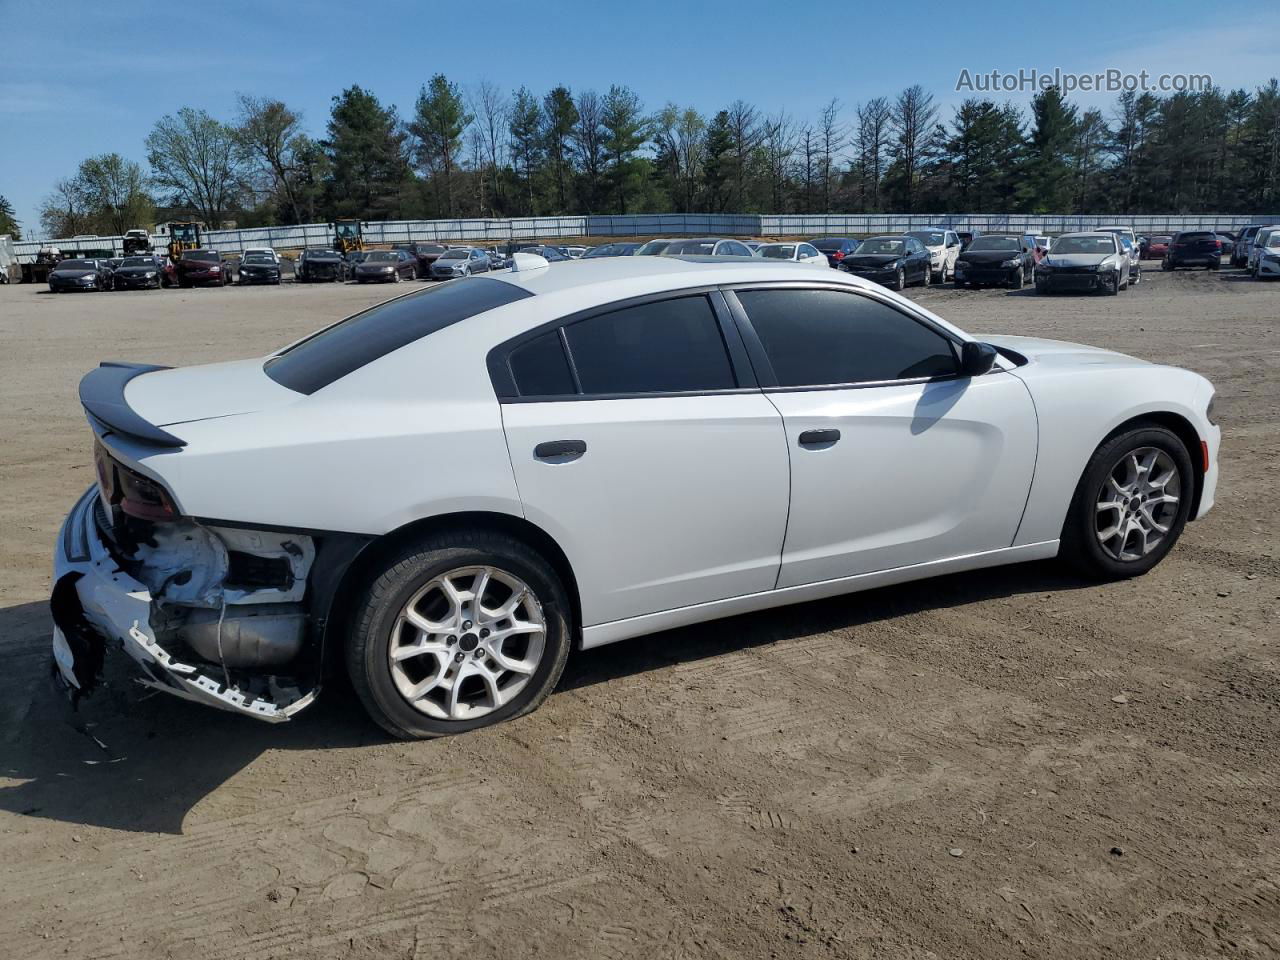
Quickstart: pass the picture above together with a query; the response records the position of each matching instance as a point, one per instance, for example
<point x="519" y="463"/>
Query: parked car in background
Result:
<point x="575" y="251"/>
<point x="462" y="262"/>
<point x="386" y="266"/>
<point x="1244" y="239"/>
<point x="1135" y="255"/>
<point x="835" y="249"/>
<point x="138" y="273"/>
<point x="548" y="252"/>
<point x="1157" y="246"/>
<point x="263" y="251"/>
<point x="611" y="250"/>
<point x="259" y="267"/>
<point x="894" y="261"/>
<point x="136" y="242"/>
<point x="1268" y="265"/>
<point x="966" y="238"/>
<point x="113" y="262"/>
<point x="754" y="245"/>
<point x="497" y="259"/>
<point x="805" y="253"/>
<point x="423" y="254"/>
<point x="1094" y="262"/>
<point x="1193" y="248"/>
<point x="1043" y="246"/>
<point x="80" y="274"/>
<point x="653" y="248"/>
<point x="707" y="247"/>
<point x="319" y="265"/>
<point x="1135" y="263"/>
<point x="351" y="260"/>
<point x="423" y="467"/>
<point x="944" y="249"/>
<point x="1228" y="241"/>
<point x="202" y="267"/>
<point x="1260" y="241"/>
<point x="1002" y="259"/>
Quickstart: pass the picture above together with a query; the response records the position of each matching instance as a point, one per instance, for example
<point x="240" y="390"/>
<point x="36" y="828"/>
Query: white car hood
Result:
<point x="1060" y="352"/>
<point x="184" y="394"/>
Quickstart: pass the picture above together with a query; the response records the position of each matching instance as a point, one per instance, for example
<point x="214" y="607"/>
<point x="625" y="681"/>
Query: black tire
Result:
<point x="1111" y="288"/>
<point x="900" y="280"/>
<point x="1016" y="281"/>
<point x="394" y="584"/>
<point x="927" y="277"/>
<point x="1042" y="287"/>
<point x="1080" y="546"/>
<point x="1165" y="265"/>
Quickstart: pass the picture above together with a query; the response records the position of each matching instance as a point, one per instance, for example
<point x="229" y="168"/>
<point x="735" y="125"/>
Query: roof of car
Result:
<point x="657" y="273"/>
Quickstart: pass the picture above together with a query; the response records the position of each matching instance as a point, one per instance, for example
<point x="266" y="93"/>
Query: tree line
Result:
<point x="484" y="152"/>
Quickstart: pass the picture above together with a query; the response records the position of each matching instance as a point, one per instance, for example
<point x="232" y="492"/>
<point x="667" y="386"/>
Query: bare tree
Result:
<point x="271" y="134"/>
<point x="587" y="140"/>
<point x="492" y="113"/>
<point x="744" y="132"/>
<point x="778" y="138"/>
<point x="871" y="145"/>
<point x="831" y="138"/>
<point x="198" y="159"/>
<point x="913" y="118"/>
<point x="65" y="212"/>
<point x="808" y="165"/>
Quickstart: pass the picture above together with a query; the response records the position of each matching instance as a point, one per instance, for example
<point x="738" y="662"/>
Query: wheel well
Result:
<point x="368" y="560"/>
<point x="1182" y="428"/>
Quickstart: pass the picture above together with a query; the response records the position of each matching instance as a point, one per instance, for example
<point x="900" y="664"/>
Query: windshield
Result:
<point x="604" y="250"/>
<point x="778" y="251"/>
<point x="77" y="265"/>
<point x="1094" y="246"/>
<point x="200" y="255"/>
<point x="381" y="256"/>
<point x="1160" y="239"/>
<point x="347" y="229"/>
<point x="322" y="255"/>
<point x="259" y="258"/>
<point x="137" y="262"/>
<point x="996" y="243"/>
<point x="695" y="247"/>
<point x="455" y="255"/>
<point x="930" y="238"/>
<point x="1273" y="241"/>
<point x="884" y="246"/>
<point x="653" y="248"/>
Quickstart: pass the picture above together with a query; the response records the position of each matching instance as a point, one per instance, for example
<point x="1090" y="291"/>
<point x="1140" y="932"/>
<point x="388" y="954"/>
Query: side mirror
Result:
<point x="976" y="358"/>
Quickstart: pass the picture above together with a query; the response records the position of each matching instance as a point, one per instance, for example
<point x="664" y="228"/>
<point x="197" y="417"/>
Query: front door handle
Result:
<point x="561" y="451"/>
<point x="819" y="438"/>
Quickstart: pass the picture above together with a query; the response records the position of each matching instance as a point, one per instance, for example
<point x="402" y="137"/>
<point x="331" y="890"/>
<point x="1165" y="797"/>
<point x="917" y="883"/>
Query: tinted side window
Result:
<point x="540" y="368"/>
<point x="815" y="337"/>
<point x="670" y="345"/>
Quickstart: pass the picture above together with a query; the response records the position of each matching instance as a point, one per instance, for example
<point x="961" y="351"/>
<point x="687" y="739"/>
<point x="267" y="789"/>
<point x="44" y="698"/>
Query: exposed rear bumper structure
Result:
<point x="96" y="605"/>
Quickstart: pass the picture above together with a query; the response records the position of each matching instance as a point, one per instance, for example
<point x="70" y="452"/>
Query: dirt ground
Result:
<point x="938" y="770"/>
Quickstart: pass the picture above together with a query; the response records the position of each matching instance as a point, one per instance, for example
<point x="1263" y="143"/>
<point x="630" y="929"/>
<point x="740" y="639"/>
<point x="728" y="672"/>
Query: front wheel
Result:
<point x="1130" y="505"/>
<point x="458" y="632"/>
<point x="900" y="280"/>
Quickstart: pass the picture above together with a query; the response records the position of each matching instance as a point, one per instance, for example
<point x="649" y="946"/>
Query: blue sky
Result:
<point x="86" y="78"/>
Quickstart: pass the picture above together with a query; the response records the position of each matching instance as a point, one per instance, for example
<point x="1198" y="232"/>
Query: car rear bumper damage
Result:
<point x="209" y="614"/>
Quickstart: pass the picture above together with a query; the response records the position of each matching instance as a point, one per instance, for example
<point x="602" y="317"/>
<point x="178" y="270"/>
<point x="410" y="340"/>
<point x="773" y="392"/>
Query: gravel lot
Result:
<point x="935" y="770"/>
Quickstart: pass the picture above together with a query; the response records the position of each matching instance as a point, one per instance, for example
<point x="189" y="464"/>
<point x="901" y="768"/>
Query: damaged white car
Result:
<point x="445" y="494"/>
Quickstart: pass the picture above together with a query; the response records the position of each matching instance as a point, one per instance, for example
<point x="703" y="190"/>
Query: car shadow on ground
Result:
<point x="130" y="759"/>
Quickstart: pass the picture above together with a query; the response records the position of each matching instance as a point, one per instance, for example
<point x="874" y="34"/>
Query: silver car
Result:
<point x="1085" y="262"/>
<point x="459" y="262"/>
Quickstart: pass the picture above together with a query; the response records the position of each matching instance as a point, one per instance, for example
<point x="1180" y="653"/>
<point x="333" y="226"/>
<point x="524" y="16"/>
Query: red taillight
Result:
<point x="839" y="255"/>
<point x="1217" y="245"/>
<point x="137" y="495"/>
<point x="1204" y="453"/>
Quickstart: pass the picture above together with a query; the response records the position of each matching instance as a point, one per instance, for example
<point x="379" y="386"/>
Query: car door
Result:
<point x="895" y="459"/>
<point x="649" y="455"/>
<point x="479" y="262"/>
<point x="952" y="251"/>
<point x="920" y="259"/>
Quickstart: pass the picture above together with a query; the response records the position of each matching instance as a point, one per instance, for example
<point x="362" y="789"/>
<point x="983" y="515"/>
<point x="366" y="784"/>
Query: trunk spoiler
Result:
<point x="102" y="396"/>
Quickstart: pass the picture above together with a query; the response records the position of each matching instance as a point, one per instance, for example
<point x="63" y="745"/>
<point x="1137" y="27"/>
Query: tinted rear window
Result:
<point x="349" y="344"/>
<point x="829" y="246"/>
<point x="540" y="368"/>
<point x="1196" y="235"/>
<point x="667" y="346"/>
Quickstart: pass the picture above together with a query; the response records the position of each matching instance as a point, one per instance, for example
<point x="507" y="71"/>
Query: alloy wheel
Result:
<point x="1137" y="504"/>
<point x="466" y="643"/>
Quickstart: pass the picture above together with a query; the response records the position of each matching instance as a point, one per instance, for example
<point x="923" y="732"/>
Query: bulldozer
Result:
<point x="347" y="236"/>
<point x="183" y="235"/>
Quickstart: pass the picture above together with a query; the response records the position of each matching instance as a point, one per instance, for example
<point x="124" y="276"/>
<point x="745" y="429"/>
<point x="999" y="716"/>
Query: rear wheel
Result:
<point x="927" y="279"/>
<point x="1130" y="505"/>
<point x="457" y="633"/>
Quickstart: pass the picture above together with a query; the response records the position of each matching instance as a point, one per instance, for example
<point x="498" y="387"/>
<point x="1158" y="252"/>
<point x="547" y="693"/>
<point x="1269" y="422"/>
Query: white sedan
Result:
<point x="448" y="493"/>
<point x="805" y="253"/>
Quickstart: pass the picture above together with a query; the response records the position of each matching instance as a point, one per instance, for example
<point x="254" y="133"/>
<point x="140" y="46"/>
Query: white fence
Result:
<point x="492" y="231"/>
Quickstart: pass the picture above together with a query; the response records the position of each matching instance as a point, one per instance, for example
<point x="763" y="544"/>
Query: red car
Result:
<point x="201" y="266"/>
<point x="1157" y="247"/>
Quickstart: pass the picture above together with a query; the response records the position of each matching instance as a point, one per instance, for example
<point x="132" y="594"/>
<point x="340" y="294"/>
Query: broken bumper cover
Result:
<point x="95" y="604"/>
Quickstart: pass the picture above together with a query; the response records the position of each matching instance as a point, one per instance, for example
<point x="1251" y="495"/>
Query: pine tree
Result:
<point x="1046" y="185"/>
<point x="439" y="121"/>
<point x="366" y="149"/>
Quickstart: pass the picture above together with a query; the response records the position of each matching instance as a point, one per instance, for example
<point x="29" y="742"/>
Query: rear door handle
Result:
<point x="560" y="450"/>
<point x="819" y="438"/>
